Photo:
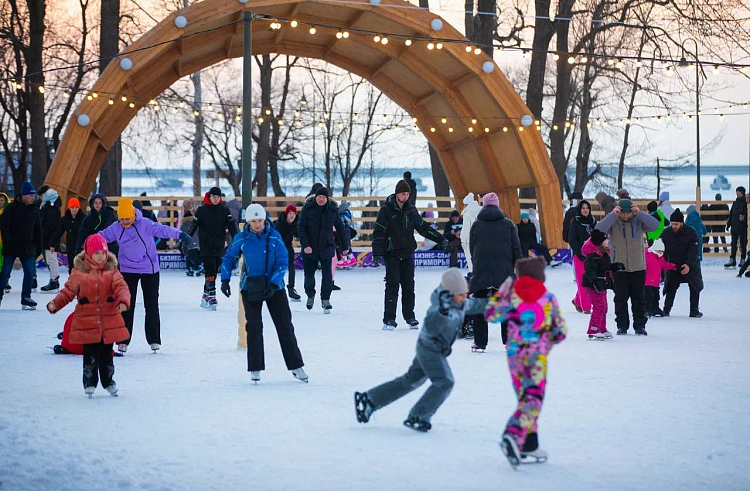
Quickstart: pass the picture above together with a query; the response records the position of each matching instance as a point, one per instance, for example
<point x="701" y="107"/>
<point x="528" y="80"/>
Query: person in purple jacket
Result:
<point x="139" y="261"/>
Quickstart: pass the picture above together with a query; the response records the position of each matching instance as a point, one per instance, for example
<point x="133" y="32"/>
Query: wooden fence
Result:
<point x="365" y="208"/>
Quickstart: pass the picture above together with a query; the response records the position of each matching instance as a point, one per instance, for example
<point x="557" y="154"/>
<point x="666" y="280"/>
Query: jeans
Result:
<point x="278" y="306"/>
<point x="29" y="271"/>
<point x="326" y="284"/>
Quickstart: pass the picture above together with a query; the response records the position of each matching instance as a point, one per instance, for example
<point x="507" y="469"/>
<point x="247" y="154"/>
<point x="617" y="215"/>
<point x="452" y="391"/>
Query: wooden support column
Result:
<point x="549" y="206"/>
<point x="509" y="203"/>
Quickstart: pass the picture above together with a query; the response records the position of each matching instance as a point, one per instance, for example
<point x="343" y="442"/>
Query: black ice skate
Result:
<point x="696" y="315"/>
<point x="363" y="407"/>
<point x="389" y="325"/>
<point x="731" y="264"/>
<point x="413" y="323"/>
<point x="478" y="349"/>
<point x="327" y="306"/>
<point x="310" y="303"/>
<point x="52" y="287"/>
<point x="294" y="295"/>
<point x="418" y="424"/>
<point x="28" y="304"/>
<point x="641" y="332"/>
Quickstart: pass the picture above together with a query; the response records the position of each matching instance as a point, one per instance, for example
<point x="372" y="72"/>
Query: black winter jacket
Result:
<point x="739" y="207"/>
<point x="718" y="218"/>
<point x="450" y="226"/>
<point x="50" y="216"/>
<point x="526" y="232"/>
<point x="596" y="268"/>
<point x="95" y="222"/>
<point x="394" y="230"/>
<point x="21" y="227"/>
<point x="287" y="230"/>
<point x="682" y="248"/>
<point x="213" y="221"/>
<point x="580" y="231"/>
<point x="495" y="248"/>
<point x="315" y="229"/>
<point x="72" y="227"/>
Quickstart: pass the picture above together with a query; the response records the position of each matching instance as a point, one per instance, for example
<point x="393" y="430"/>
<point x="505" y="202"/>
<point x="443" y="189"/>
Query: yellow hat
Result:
<point x="125" y="209"/>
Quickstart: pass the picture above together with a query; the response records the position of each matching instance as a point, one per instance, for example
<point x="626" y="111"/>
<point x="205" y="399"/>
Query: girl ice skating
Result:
<point x="655" y="264"/>
<point x="534" y="327"/>
<point x="102" y="296"/>
<point x="597" y="278"/>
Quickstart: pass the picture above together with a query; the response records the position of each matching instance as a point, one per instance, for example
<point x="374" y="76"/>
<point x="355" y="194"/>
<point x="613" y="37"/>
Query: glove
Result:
<point x="186" y="239"/>
<point x="617" y="267"/>
<point x="225" y="289"/>
<point x="270" y="291"/>
<point x="445" y="302"/>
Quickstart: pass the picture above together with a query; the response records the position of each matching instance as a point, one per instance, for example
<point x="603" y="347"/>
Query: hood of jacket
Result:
<point x="529" y="289"/>
<point x="100" y="196"/>
<point x="490" y="213"/>
<point x="85" y="264"/>
<point x="207" y="200"/>
<point x="589" y="248"/>
<point x="471" y="210"/>
<point x="7" y="202"/>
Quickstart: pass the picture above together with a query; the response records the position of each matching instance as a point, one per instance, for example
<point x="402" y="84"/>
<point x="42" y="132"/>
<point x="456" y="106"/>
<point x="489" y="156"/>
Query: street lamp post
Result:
<point x="684" y="63"/>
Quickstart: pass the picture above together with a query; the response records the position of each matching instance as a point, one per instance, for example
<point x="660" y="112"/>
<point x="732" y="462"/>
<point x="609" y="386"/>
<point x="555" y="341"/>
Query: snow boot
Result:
<point x="327" y="306"/>
<point x="310" y="303"/>
<point x="389" y="325"/>
<point x="112" y="389"/>
<point x="413" y="323"/>
<point x="122" y="347"/>
<point x="294" y="295"/>
<point x="52" y="287"/>
<point x="89" y="391"/>
<point x="28" y="304"/>
<point x="155" y="347"/>
<point x="363" y="407"/>
<point x="299" y="374"/>
<point x="255" y="376"/>
<point x="418" y="424"/>
<point x="510" y="449"/>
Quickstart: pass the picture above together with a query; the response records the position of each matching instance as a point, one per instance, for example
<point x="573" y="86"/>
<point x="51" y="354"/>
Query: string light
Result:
<point x="110" y="102"/>
<point x="486" y="129"/>
<point x="313" y="30"/>
<point x="468" y="49"/>
<point x="473" y="121"/>
<point x="444" y="120"/>
<point x="376" y="39"/>
<point x="132" y="105"/>
<point x="439" y="45"/>
<point x="450" y="129"/>
<point x="407" y="42"/>
<point x="384" y="41"/>
<point x="430" y="46"/>
<point x="571" y="60"/>
<point x="471" y="129"/>
<point x="477" y="51"/>
<point x="555" y="57"/>
<point x="505" y="129"/>
<point x="124" y="99"/>
<point x="294" y="23"/>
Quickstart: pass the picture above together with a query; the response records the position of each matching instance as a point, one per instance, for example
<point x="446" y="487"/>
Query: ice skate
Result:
<point x="52" y="287"/>
<point x="413" y="323"/>
<point x="696" y="315"/>
<point x="327" y="306"/>
<point x="7" y="289"/>
<point x="255" y="376"/>
<point x="641" y="332"/>
<point x="213" y="304"/>
<point x="606" y="334"/>
<point x="28" y="304"/>
<point x="59" y="335"/>
<point x="34" y="286"/>
<point x="363" y="407"/>
<point x="190" y="272"/>
<point x="112" y="389"/>
<point x="510" y="448"/>
<point x="155" y="347"/>
<point x="555" y="264"/>
<point x="418" y="424"/>
<point x="310" y="303"/>
<point x="294" y="295"/>
<point x="389" y="325"/>
<point x="89" y="391"/>
<point x="299" y="374"/>
<point x="205" y="303"/>
<point x="478" y="349"/>
<point x="731" y="264"/>
<point x="537" y="456"/>
<point x="122" y="347"/>
<point x="622" y="331"/>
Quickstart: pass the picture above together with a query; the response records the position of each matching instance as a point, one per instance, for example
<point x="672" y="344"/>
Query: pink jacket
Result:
<point x="654" y="265"/>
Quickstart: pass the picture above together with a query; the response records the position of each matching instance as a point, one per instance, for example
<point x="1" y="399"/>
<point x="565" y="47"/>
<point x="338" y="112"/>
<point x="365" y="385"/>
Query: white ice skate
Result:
<point x="510" y="448"/>
<point x="155" y="346"/>
<point x="122" y="347"/>
<point x="327" y="306"/>
<point x="112" y="389"/>
<point x="90" y="391"/>
<point x="538" y="456"/>
<point x="255" y="376"/>
<point x="598" y="336"/>
<point x="299" y="374"/>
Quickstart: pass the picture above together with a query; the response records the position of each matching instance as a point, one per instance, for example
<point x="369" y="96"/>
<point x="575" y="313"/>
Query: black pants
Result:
<point x="326" y="283"/>
<point x="675" y="279"/>
<point x="292" y="273"/>
<point x="525" y="246"/>
<point x="399" y="272"/>
<point x="98" y="363"/>
<point x="481" y="331"/>
<point x="150" y="287"/>
<point x="193" y="259"/>
<point x="741" y="237"/>
<point x="652" y="300"/>
<point x="278" y="306"/>
<point x="453" y="247"/>
<point x="71" y="258"/>
<point x="211" y="265"/>
<point x="630" y="286"/>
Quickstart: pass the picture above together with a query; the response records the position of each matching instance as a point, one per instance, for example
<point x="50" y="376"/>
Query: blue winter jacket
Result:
<point x="253" y="247"/>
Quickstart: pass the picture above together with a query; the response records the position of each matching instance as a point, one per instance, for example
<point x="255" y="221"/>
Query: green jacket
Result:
<point x="626" y="238"/>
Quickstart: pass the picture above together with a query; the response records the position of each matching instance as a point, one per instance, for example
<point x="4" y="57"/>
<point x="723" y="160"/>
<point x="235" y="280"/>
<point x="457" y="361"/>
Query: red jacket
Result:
<point x="654" y="265"/>
<point x="99" y="289"/>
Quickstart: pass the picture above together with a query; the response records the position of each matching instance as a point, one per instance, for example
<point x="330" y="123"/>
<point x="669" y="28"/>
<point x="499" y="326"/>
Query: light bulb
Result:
<point x="505" y="129"/>
<point x="486" y="130"/>
<point x="571" y="60"/>
<point x="430" y="46"/>
<point x="450" y="129"/>
<point x="124" y="99"/>
<point x="111" y="102"/>
<point x="294" y="23"/>
<point x="339" y="35"/>
<point x="471" y="129"/>
<point x="432" y="130"/>
<point x="444" y="120"/>
<point x="473" y="120"/>
<point x="384" y="41"/>
<point x="468" y="49"/>
<point x="407" y="42"/>
<point x="345" y="34"/>
<point x="555" y="57"/>
<point x="439" y="45"/>
<point x="131" y="105"/>
<point x="89" y="97"/>
<point x="376" y="39"/>
<point x="477" y="51"/>
<point x="313" y="30"/>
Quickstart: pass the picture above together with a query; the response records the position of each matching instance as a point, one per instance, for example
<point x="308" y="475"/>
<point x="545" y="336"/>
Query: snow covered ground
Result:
<point x="666" y="412"/>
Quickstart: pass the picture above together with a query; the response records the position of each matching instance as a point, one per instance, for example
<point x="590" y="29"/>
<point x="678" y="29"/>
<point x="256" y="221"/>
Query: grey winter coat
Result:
<point x="626" y="239"/>
<point x="444" y="318"/>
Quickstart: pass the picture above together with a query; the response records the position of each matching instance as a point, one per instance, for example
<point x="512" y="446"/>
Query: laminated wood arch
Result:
<point x="429" y="85"/>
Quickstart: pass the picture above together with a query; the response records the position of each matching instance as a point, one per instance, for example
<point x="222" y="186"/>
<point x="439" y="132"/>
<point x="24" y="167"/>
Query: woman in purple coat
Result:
<point x="139" y="261"/>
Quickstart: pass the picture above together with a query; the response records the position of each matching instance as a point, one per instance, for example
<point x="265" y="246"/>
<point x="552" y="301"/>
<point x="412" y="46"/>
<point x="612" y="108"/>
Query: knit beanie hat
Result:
<point x="625" y="205"/>
<point x="491" y="199"/>
<point x="524" y="215"/>
<point x="73" y="202"/>
<point x="664" y="196"/>
<point x="125" y="208"/>
<point x="255" y="212"/>
<point x="532" y="266"/>
<point x="598" y="237"/>
<point x="291" y="208"/>
<point x="95" y="243"/>
<point x="658" y="245"/>
<point x="468" y="198"/>
<point x="453" y="281"/>
<point x="402" y="187"/>
<point x="652" y="206"/>
<point x="27" y="188"/>
<point x="690" y="209"/>
<point x="214" y="191"/>
<point x="677" y="216"/>
<point x="322" y="191"/>
<point x="623" y="193"/>
<point x="455" y="213"/>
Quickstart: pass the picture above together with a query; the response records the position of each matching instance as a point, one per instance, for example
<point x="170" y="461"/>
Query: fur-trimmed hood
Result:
<point x="81" y="264"/>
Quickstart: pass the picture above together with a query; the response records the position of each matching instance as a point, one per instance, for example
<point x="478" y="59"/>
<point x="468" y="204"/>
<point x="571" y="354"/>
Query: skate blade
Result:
<point x="26" y="307"/>
<point x="326" y="311"/>
<point x="91" y="396"/>
<point x="296" y="300"/>
<point x="50" y="292"/>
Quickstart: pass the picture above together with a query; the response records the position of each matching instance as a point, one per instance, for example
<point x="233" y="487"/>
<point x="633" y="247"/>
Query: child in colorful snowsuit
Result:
<point x="449" y="307"/>
<point x="655" y="264"/>
<point x="534" y="326"/>
<point x="597" y="277"/>
<point x="102" y="296"/>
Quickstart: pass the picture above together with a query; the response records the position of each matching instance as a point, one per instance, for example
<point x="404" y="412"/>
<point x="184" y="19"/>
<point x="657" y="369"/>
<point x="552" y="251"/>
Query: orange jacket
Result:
<point x="99" y="290"/>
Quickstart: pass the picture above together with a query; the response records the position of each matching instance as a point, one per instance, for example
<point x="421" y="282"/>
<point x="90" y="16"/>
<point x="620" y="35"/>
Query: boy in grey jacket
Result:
<point x="449" y="306"/>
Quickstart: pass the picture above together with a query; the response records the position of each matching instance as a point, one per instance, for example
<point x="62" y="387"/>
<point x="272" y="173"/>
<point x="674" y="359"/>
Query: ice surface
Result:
<point x="666" y="412"/>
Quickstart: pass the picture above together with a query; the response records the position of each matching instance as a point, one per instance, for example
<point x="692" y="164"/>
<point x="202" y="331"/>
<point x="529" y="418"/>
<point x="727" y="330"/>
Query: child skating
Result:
<point x="534" y="326"/>
<point x="449" y="306"/>
<point x="655" y="264"/>
<point x="97" y="323"/>
<point x="597" y="277"/>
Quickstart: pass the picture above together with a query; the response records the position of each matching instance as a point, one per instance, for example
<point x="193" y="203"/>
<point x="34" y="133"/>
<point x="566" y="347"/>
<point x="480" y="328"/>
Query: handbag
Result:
<point x="256" y="285"/>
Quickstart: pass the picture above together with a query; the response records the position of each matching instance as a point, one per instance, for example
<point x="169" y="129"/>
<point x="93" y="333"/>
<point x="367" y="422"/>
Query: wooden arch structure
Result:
<point x="429" y="84"/>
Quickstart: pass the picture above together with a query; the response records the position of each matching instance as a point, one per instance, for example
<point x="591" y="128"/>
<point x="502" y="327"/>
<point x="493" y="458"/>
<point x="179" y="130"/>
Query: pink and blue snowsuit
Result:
<point x="534" y="326"/>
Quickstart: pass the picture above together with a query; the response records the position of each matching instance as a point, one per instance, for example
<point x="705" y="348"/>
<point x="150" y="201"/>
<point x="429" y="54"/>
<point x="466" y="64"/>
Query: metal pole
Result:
<point x="315" y="123"/>
<point x="697" y="129"/>
<point x="247" y="111"/>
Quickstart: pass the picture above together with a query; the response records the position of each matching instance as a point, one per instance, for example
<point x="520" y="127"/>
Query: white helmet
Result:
<point x="255" y="212"/>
